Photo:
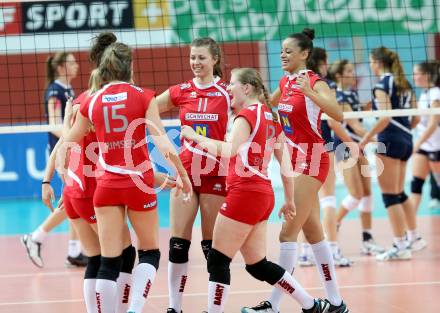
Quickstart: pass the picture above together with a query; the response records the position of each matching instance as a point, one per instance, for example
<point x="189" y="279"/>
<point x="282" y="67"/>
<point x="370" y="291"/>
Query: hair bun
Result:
<point x="309" y="32"/>
<point x="105" y="39"/>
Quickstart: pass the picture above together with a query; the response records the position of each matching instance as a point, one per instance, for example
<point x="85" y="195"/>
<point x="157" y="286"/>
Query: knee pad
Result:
<point x="403" y="197"/>
<point x="179" y="249"/>
<point x="390" y="199"/>
<point x="206" y="246"/>
<point x="93" y="264"/>
<point x="150" y="256"/>
<point x="327" y="202"/>
<point x="110" y="268"/>
<point x="417" y="185"/>
<point x="265" y="270"/>
<point x="128" y="259"/>
<point x="350" y="202"/>
<point x="218" y="267"/>
<point x="366" y="204"/>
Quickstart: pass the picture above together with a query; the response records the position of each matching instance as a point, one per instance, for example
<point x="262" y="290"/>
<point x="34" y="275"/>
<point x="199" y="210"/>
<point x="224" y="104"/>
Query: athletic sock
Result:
<point x="401" y="243"/>
<point x="143" y="278"/>
<point x="412" y="235"/>
<point x="89" y="290"/>
<point x="288" y="285"/>
<point x="105" y="295"/>
<point x="217" y="296"/>
<point x="74" y="248"/>
<point x="39" y="235"/>
<point x="123" y="285"/>
<point x="177" y="276"/>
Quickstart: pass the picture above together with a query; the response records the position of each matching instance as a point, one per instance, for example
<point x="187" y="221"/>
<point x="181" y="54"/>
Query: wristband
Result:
<point x="45" y="182"/>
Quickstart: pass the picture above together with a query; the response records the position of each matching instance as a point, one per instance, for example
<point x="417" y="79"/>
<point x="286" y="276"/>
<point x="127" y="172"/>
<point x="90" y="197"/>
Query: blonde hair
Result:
<point x="247" y="75"/>
<point x="94" y="81"/>
<point x="391" y="61"/>
<point x="337" y="67"/>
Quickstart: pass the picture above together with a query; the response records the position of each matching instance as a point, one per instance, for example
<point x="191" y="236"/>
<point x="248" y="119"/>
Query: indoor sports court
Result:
<point x="44" y="268"/>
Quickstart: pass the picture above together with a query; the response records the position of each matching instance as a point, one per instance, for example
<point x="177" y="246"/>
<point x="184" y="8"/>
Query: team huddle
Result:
<point x="229" y="133"/>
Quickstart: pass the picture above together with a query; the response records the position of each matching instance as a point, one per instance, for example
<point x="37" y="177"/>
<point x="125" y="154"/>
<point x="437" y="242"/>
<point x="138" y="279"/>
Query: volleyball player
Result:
<point x="242" y="220"/>
<point x="301" y="97"/>
<point x="327" y="199"/>
<point x="427" y="147"/>
<point x="118" y="113"/>
<point x="393" y="91"/>
<point x="204" y="105"/>
<point x="353" y="163"/>
<point x="61" y="69"/>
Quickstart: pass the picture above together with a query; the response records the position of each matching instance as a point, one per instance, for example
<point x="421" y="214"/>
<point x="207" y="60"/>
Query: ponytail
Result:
<point x="50" y="71"/>
<point x="390" y="61"/>
<point x="400" y="80"/>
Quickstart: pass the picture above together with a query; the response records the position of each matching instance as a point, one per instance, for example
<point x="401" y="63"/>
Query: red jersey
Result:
<point x="248" y="169"/>
<point x="205" y="108"/>
<point x="79" y="185"/>
<point x="301" y="121"/>
<point x="117" y="112"/>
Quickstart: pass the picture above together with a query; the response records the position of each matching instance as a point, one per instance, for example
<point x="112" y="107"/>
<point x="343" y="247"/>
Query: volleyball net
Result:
<point x="159" y="32"/>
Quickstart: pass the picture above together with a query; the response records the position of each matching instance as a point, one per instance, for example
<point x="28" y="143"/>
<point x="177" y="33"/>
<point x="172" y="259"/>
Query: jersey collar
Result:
<point x="385" y="74"/>
<point x="208" y="85"/>
<point x="295" y="75"/>
<point x="56" y="81"/>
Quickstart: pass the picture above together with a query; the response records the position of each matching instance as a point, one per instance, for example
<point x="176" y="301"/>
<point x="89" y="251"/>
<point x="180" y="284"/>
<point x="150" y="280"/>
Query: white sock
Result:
<point x="217" y="296"/>
<point x="39" y="235"/>
<point x="89" y="290"/>
<point x="412" y="235"/>
<point x="143" y="278"/>
<point x="74" y="248"/>
<point x="288" y="285"/>
<point x="400" y="243"/>
<point x="177" y="276"/>
<point x="326" y="269"/>
<point x="124" y="285"/>
<point x="105" y="295"/>
<point x="287" y="261"/>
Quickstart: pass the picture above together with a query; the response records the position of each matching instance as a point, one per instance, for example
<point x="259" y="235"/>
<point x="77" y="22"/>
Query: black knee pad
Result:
<point x="150" y="256"/>
<point x="110" y="268"/>
<point x="417" y="185"/>
<point x="206" y="246"/>
<point x="403" y="197"/>
<point x="93" y="264"/>
<point x="265" y="270"/>
<point x="390" y="199"/>
<point x="218" y="267"/>
<point x="128" y="259"/>
<point x="179" y="250"/>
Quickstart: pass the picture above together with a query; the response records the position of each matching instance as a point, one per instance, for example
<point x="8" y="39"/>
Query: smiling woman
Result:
<point x="204" y="105"/>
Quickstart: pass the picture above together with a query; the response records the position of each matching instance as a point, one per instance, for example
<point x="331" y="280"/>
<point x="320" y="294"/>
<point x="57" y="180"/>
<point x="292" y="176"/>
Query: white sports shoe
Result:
<point x="417" y="244"/>
<point x="33" y="250"/>
<point x="434" y="204"/>
<point x="370" y="247"/>
<point x="394" y="254"/>
<point x="340" y="260"/>
<point x="305" y="260"/>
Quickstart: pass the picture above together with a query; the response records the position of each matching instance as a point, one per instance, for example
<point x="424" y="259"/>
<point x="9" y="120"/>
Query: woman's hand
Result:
<point x="364" y="141"/>
<point x="164" y="180"/>
<point x="183" y="185"/>
<point x="188" y="133"/>
<point x="68" y="111"/>
<point x="303" y="83"/>
<point x="288" y="210"/>
<point x="60" y="205"/>
<point x="47" y="195"/>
